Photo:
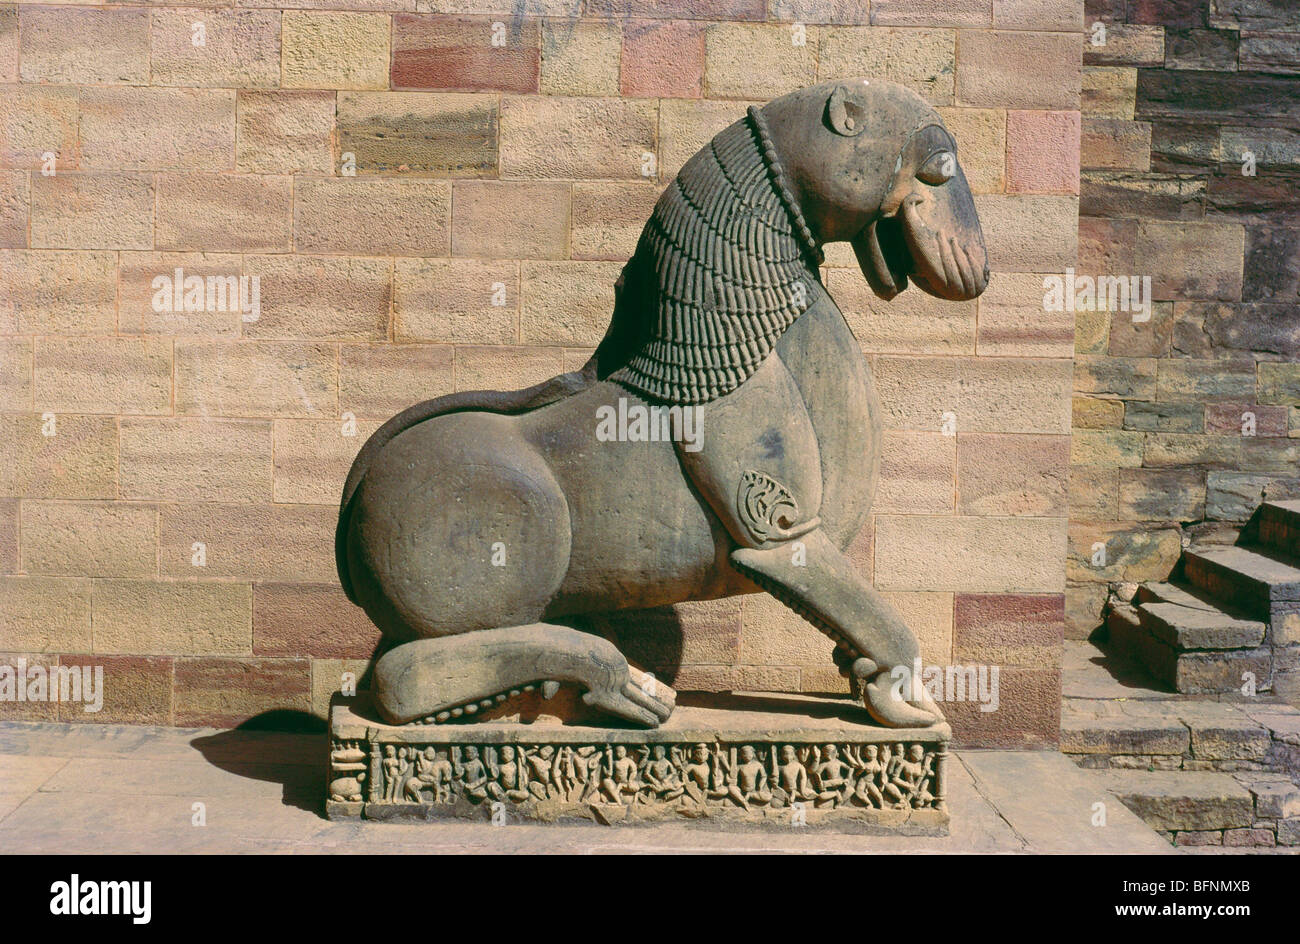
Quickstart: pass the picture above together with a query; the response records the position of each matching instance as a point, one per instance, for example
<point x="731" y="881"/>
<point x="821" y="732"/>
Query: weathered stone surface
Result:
<point x="251" y="379"/>
<point x="1279" y="383"/>
<point x="234" y="546"/>
<point x="1116" y="143"/>
<point x="111" y="375"/>
<point x="1276" y="800"/>
<point x="1043" y="152"/>
<point x="921" y="59"/>
<point x="322" y="297"/>
<point x="1121" y="727"/>
<point x="224" y="212"/>
<point x="1162" y="494"/>
<point x="376" y="380"/>
<point x="607" y="218"/>
<point x="414" y="133"/>
<point x="1159" y="196"/>
<point x="91" y="539"/>
<point x="58" y="456"/>
<point x="91" y="211"/>
<point x="464" y="54"/>
<point x="1243" y="575"/>
<point x="1183" y="800"/>
<point x="1012" y="475"/>
<point x="46" y="614"/>
<point x="1127" y="44"/>
<point x="216" y="692"/>
<point x="241" y="49"/>
<point x="368" y="216"/>
<point x="312" y="457"/>
<point x="456" y="300"/>
<point x="662" y="58"/>
<point x="1216" y="97"/>
<point x="137" y="690"/>
<point x="1197" y="628"/>
<point x="1029" y="232"/>
<point x="154" y="617"/>
<point x="601" y="138"/>
<point x="1011" y="69"/>
<point x="1222" y="733"/>
<point x="284" y="132"/>
<point x="39" y="119"/>
<point x="581" y="57"/>
<point x="1201" y="260"/>
<point x="328" y="50"/>
<point x="297" y="619"/>
<point x="84" y="46"/>
<point x="1208" y="49"/>
<point x="1121" y="551"/>
<point x="1096" y="413"/>
<point x="510" y="220"/>
<point x="194" y="459"/>
<point x="1230" y="328"/>
<point x="1248" y="837"/>
<point x="1109" y="92"/>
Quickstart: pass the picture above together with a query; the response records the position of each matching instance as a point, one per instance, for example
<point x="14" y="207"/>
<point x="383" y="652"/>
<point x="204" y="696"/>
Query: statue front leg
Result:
<point x="820" y="584"/>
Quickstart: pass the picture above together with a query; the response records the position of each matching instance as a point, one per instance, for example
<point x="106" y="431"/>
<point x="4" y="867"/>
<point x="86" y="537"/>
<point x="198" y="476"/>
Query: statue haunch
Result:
<point x="474" y="526"/>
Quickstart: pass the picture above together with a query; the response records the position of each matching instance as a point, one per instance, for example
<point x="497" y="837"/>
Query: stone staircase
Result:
<point x="1228" y="619"/>
<point x="1208" y="770"/>
<point x="1181" y="707"/>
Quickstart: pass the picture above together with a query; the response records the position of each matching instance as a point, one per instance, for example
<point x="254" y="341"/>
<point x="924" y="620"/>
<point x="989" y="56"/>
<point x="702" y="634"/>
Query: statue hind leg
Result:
<point x="435" y="679"/>
<point x="458" y="540"/>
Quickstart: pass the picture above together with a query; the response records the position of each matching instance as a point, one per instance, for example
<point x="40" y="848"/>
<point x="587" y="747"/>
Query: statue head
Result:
<point x="871" y="163"/>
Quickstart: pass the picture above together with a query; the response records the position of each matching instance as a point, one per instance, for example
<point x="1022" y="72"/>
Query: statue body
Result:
<point x="474" y="526"/>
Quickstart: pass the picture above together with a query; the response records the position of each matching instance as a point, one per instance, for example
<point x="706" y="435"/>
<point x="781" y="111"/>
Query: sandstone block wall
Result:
<point x="1190" y="164"/>
<point x="438" y="195"/>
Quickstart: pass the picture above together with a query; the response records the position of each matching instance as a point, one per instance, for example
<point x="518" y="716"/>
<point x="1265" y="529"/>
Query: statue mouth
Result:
<point x="893" y="249"/>
<point x="883" y="256"/>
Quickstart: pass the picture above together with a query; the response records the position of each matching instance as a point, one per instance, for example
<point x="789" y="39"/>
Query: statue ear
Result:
<point x="846" y="112"/>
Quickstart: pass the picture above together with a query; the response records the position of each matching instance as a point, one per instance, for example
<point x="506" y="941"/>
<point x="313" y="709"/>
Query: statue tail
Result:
<point x="508" y="402"/>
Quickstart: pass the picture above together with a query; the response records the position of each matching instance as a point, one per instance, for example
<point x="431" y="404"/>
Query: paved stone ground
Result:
<point x="106" y="788"/>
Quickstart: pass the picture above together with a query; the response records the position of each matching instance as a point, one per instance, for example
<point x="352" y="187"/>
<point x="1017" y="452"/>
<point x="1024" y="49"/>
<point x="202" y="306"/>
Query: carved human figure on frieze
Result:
<point x="478" y="529"/>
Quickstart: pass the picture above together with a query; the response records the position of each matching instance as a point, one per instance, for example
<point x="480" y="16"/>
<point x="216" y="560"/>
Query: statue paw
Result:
<point x="885" y="703"/>
<point x="641" y="698"/>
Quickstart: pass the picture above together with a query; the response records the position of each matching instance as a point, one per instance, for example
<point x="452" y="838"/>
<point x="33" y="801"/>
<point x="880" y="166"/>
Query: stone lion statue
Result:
<point x="475" y="527"/>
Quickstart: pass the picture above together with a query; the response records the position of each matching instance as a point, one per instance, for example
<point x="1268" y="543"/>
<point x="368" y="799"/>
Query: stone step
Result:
<point x="1183" y="801"/>
<point x="1184" y="594"/>
<point x="1173" y="734"/>
<point x="1185" y="628"/>
<point x="1195" y="671"/>
<point x="1278" y="526"/>
<point x="1246" y="577"/>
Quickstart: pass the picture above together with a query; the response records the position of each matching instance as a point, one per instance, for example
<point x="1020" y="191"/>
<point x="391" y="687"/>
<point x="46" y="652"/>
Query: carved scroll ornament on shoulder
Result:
<point x="768" y="509"/>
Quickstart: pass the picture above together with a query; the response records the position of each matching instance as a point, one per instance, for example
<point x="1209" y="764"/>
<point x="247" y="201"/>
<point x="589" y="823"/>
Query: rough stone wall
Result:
<point x="391" y="168"/>
<point x="1190" y="173"/>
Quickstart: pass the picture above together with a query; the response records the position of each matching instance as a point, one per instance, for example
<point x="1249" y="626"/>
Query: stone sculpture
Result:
<point x="845" y="775"/>
<point x="474" y="526"/>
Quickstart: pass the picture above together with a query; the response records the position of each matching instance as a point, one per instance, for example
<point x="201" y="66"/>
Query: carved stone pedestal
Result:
<point x="773" y="761"/>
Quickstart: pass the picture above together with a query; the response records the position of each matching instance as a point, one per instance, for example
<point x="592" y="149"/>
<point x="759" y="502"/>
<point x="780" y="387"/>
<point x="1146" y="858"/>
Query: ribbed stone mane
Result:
<point x="718" y="275"/>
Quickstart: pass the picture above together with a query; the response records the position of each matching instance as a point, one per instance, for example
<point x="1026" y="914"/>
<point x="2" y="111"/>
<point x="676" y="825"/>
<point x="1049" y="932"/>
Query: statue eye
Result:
<point x="938" y="169"/>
